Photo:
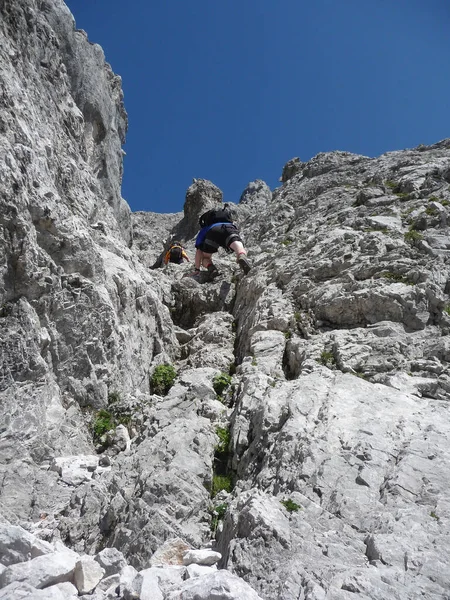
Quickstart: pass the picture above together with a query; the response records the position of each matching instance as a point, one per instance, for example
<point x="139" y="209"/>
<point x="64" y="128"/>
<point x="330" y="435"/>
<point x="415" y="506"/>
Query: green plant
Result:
<point x="447" y="309"/>
<point x="221" y="482"/>
<point x="290" y="505"/>
<point x="402" y="195"/>
<point x="434" y="515"/>
<point x="391" y="184"/>
<point x="288" y="334"/>
<point x="444" y="202"/>
<point x="412" y="236"/>
<point x="431" y="210"/>
<point x="103" y="422"/>
<point x="162" y="379"/>
<point x="298" y="316"/>
<point x="397" y="278"/>
<point x="232" y="369"/>
<point x="113" y="397"/>
<point x="360" y="374"/>
<point x="221" y="382"/>
<point x="254" y="362"/>
<point x="217" y="513"/>
<point x="224" y="440"/>
<point x="287" y="241"/>
<point x="327" y="358"/>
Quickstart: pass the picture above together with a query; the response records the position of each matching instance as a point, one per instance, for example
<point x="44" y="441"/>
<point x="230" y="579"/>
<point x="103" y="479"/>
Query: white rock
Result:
<point x="111" y="560"/>
<point x="42" y="571"/>
<point x="221" y="585"/>
<point x="201" y="557"/>
<point x="67" y="589"/>
<point x="195" y="570"/>
<point x="75" y="470"/>
<point x="145" y="586"/>
<point x="18" y="545"/>
<point x="87" y="574"/>
<point x="170" y="553"/>
<point x="18" y="590"/>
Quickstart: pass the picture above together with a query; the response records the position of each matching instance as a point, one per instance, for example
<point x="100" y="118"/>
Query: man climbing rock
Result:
<point x="176" y="254"/>
<point x="218" y="230"/>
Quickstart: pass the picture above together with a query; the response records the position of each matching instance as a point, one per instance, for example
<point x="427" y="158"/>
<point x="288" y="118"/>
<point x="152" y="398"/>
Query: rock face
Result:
<point x="291" y="424"/>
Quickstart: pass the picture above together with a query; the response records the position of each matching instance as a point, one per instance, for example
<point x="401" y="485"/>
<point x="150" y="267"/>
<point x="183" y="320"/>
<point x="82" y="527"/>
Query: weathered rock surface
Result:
<point x="305" y="435"/>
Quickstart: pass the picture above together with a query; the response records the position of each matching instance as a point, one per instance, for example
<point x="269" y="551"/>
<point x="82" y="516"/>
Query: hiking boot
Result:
<point x="244" y="263"/>
<point x="213" y="271"/>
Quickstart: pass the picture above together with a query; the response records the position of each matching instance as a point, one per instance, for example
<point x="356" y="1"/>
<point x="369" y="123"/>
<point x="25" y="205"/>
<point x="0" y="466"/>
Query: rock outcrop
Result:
<point x="279" y="435"/>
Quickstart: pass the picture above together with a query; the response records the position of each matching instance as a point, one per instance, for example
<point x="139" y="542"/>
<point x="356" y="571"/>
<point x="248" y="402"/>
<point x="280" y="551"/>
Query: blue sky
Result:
<point x="230" y="91"/>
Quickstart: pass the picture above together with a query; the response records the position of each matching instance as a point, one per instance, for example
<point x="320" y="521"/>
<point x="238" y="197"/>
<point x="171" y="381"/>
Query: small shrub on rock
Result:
<point x="162" y="379"/>
<point x="103" y="422"/>
<point x="217" y="515"/>
<point x="290" y="505"/>
<point x="224" y="440"/>
<point x="412" y="236"/>
<point x="327" y="359"/>
<point x="220" y="383"/>
<point x="221" y="482"/>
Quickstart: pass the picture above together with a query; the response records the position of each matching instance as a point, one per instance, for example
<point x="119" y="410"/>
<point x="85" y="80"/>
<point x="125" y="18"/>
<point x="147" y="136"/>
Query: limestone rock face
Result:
<point x="301" y="439"/>
<point x="71" y="290"/>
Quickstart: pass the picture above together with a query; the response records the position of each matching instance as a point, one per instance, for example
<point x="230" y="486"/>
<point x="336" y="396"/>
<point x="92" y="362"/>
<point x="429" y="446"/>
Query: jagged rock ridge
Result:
<point x="329" y="434"/>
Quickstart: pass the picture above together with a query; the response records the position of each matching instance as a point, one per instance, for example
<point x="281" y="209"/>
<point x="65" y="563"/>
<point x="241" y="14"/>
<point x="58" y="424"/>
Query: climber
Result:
<point x="175" y="254"/>
<point x="218" y="230"/>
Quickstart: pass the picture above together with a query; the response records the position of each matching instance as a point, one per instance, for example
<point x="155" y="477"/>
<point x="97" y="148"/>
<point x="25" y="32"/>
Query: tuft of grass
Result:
<point x="434" y="515"/>
<point x="113" y="397"/>
<point x="103" y="422"/>
<point x="221" y="382"/>
<point x="217" y="514"/>
<point x="288" y="334"/>
<point x="327" y="358"/>
<point x="162" y="379"/>
<point x="431" y="211"/>
<point x="221" y="482"/>
<point x="391" y="184"/>
<point x="447" y="309"/>
<point x="397" y="278"/>
<point x="290" y="505"/>
<point x="224" y="440"/>
<point x="403" y="195"/>
<point x="444" y="202"/>
<point x="254" y="362"/>
<point x="412" y="236"/>
<point x="287" y="241"/>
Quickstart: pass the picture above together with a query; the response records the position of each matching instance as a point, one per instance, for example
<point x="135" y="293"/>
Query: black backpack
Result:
<point x="176" y="254"/>
<point x="216" y="215"/>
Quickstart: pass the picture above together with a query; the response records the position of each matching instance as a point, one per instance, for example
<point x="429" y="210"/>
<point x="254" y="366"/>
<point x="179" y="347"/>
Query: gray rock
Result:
<point x="225" y="585"/>
<point x="329" y="440"/>
<point x="18" y="545"/>
<point x="41" y="572"/>
<point x="88" y="573"/>
<point x="201" y="557"/>
<point x="111" y="560"/>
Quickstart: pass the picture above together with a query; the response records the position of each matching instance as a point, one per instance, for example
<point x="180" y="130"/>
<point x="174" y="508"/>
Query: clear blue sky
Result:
<point x="231" y="90"/>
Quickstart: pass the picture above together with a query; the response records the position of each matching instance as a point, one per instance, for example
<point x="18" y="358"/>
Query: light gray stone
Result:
<point x="224" y="586"/>
<point x="195" y="570"/>
<point x="145" y="586"/>
<point x="41" y="572"/>
<point x="201" y="557"/>
<point x="88" y="573"/>
<point x="111" y="560"/>
<point x="18" y="545"/>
